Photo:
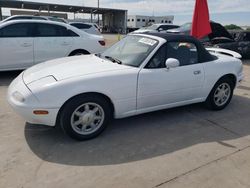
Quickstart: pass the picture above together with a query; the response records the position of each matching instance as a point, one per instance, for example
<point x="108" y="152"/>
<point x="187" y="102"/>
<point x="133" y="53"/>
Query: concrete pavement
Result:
<point x="182" y="147"/>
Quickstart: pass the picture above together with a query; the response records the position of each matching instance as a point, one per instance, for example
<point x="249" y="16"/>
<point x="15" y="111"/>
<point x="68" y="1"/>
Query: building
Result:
<point x="137" y="21"/>
<point x="113" y="20"/>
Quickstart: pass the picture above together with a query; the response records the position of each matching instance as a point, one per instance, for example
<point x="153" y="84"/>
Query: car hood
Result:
<point x="69" y="67"/>
<point x="179" y="31"/>
<point x="173" y="30"/>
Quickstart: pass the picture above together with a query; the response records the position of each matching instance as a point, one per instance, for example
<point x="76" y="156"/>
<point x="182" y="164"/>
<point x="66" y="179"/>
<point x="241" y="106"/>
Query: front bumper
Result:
<point x="29" y="105"/>
<point x="240" y="78"/>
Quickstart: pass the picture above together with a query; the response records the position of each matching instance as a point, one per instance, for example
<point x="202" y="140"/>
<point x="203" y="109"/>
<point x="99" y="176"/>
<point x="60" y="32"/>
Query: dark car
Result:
<point x="219" y="33"/>
<point x="221" y="38"/>
<point x="240" y="44"/>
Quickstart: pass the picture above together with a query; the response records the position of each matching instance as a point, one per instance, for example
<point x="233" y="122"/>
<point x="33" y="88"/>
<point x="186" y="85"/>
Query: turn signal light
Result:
<point x="102" y="42"/>
<point x="40" y="112"/>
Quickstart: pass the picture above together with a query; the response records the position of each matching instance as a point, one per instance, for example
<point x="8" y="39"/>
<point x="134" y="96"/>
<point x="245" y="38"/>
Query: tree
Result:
<point x="248" y="29"/>
<point x="233" y="27"/>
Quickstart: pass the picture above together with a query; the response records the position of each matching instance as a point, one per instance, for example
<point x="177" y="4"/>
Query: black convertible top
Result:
<point x="171" y="36"/>
<point x="204" y="55"/>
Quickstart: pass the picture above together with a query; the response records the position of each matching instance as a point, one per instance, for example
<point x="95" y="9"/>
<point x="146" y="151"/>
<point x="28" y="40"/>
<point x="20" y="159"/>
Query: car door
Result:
<point x="51" y="42"/>
<point x="159" y="86"/>
<point x="16" y="46"/>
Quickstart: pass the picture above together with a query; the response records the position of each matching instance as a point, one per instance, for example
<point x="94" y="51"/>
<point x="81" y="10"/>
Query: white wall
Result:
<point x="137" y="21"/>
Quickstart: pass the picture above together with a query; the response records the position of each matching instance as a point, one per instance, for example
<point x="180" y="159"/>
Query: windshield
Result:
<point x="185" y="27"/>
<point x="132" y="50"/>
<point x="153" y="27"/>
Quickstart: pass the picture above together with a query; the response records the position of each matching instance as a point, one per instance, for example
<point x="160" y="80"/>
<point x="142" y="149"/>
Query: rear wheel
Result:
<point x="221" y="94"/>
<point x="79" y="52"/>
<point x="85" y="116"/>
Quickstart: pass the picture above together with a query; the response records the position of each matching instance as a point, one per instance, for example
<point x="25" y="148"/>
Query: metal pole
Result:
<point x="98" y="6"/>
<point x="91" y="16"/>
<point x="1" y="17"/>
<point x="125" y="22"/>
<point x="48" y="10"/>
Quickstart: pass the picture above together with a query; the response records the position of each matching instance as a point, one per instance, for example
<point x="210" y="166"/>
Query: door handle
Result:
<point x="197" y="72"/>
<point x="26" y="44"/>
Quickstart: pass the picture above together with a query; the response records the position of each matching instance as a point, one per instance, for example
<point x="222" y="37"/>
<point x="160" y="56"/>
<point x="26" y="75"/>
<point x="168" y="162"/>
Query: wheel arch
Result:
<point x="79" y="50"/>
<point x="112" y="106"/>
<point x="230" y="76"/>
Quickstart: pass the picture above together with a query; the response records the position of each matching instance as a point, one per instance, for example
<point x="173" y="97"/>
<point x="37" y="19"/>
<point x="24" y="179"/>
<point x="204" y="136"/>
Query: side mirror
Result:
<point x="172" y="63"/>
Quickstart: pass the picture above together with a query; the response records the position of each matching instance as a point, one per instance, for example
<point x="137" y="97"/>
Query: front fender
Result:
<point x="120" y="89"/>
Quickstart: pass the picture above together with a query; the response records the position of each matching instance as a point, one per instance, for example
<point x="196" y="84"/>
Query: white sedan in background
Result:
<point x="24" y="43"/>
<point x="155" y="28"/>
<point x="139" y="74"/>
<point x="90" y="28"/>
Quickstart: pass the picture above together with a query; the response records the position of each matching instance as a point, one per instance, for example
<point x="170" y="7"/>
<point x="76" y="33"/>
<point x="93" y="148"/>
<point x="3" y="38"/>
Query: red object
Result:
<point x="102" y="42"/>
<point x="201" y="23"/>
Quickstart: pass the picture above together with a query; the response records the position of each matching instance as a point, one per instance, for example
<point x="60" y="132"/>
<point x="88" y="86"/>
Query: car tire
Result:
<point x="221" y="94"/>
<point x="79" y="52"/>
<point x="85" y="117"/>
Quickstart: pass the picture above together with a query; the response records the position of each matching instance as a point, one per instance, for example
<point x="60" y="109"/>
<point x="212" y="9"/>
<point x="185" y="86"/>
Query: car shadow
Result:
<point x="7" y="77"/>
<point x="145" y="136"/>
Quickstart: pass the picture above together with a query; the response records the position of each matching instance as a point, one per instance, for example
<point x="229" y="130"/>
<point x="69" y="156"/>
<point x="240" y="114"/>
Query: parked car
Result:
<point x="240" y="44"/>
<point x="156" y="28"/>
<point x="55" y="19"/>
<point x="219" y="33"/>
<point x="87" y="27"/>
<point x="30" y="17"/>
<point x="139" y="74"/>
<point x="221" y="38"/>
<point x="24" y="43"/>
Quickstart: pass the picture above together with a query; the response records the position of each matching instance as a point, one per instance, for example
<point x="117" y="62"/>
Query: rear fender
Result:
<point x="225" y="52"/>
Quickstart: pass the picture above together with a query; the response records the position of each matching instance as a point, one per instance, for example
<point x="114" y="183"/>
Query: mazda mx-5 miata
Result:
<point x="141" y="73"/>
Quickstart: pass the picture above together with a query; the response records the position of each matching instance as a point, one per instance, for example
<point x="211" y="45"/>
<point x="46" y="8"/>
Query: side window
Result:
<point x="81" y="26"/>
<point x="50" y="30"/>
<point x="16" y="30"/>
<point x="72" y="33"/>
<point x="47" y="30"/>
<point x="158" y="60"/>
<point x="185" y="52"/>
<point x="62" y="31"/>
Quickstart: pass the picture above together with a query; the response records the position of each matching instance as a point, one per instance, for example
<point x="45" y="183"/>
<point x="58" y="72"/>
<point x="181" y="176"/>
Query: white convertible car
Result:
<point x="139" y="74"/>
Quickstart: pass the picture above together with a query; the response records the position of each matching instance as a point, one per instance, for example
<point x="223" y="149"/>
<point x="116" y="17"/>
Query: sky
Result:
<point x="223" y="11"/>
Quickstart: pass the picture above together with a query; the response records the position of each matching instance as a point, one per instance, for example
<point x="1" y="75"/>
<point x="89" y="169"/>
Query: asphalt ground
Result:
<point x="182" y="147"/>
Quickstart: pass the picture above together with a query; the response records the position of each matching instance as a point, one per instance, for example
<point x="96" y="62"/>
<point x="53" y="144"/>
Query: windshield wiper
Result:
<point x="114" y="60"/>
